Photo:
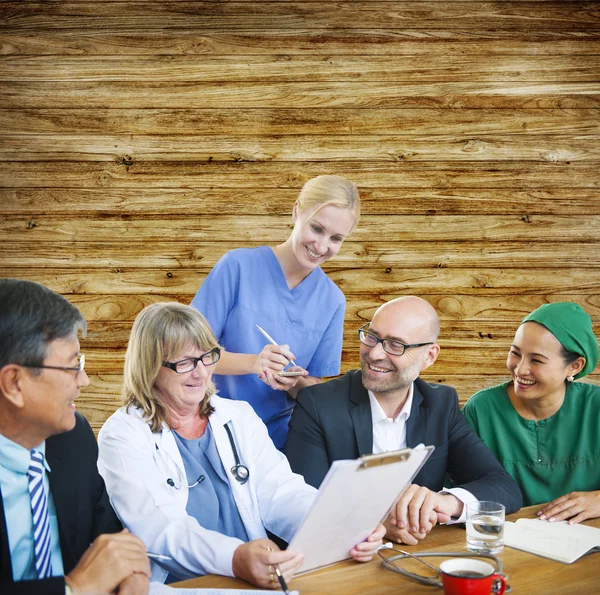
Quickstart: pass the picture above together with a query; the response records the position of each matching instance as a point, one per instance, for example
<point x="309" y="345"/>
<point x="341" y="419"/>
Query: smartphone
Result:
<point x="299" y="373"/>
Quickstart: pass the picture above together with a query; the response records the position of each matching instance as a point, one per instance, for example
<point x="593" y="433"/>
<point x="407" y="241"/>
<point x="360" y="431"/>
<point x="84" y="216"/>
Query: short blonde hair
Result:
<point x="160" y="332"/>
<point x="331" y="190"/>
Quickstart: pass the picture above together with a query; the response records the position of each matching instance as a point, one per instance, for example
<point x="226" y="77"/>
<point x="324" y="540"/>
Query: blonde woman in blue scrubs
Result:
<point x="283" y="290"/>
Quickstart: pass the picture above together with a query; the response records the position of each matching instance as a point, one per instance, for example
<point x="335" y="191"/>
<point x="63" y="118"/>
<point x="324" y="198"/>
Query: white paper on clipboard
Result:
<point x="354" y="496"/>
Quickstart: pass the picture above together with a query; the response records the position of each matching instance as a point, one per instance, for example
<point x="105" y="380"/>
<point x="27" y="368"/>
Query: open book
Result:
<point x="557" y="541"/>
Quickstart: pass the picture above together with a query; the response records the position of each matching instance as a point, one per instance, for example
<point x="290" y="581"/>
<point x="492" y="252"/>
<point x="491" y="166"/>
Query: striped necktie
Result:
<point x="39" y="510"/>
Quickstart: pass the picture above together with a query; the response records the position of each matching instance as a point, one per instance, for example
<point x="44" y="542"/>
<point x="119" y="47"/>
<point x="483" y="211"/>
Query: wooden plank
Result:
<point x="371" y="282"/>
<point x="299" y="122"/>
<point x="184" y="95"/>
<point x="451" y="360"/>
<point x="306" y="67"/>
<point x="485" y="336"/>
<point x="35" y="202"/>
<point x="264" y="229"/>
<point x="359" y="309"/>
<point x="523" y="147"/>
<point x="199" y="257"/>
<point x="367" y="174"/>
<point x="417" y="42"/>
<point x="230" y="16"/>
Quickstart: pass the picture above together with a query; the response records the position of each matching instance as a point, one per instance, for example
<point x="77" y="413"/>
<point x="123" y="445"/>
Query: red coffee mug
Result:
<point x="468" y="576"/>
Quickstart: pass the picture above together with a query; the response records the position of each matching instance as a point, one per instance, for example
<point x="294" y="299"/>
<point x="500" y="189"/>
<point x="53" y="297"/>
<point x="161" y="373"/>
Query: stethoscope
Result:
<point x="239" y="471"/>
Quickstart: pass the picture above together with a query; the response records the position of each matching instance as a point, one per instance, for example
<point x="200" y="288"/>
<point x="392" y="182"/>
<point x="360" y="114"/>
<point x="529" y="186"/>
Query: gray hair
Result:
<point x="31" y="317"/>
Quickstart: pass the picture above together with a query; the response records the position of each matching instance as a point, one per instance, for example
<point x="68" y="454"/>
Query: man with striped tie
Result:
<point x="58" y="532"/>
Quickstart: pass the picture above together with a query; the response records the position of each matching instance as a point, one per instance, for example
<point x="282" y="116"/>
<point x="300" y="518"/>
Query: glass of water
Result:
<point x="485" y="527"/>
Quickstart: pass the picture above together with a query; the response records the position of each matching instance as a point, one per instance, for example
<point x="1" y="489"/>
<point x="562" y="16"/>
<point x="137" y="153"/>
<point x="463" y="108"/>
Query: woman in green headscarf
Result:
<point x="542" y="426"/>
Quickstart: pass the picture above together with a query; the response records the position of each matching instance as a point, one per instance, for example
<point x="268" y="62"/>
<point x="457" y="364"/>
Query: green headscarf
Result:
<point x="572" y="326"/>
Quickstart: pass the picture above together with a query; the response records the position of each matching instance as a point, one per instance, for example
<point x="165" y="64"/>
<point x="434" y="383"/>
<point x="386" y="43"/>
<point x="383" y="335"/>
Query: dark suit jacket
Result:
<point x="82" y="507"/>
<point x="332" y="421"/>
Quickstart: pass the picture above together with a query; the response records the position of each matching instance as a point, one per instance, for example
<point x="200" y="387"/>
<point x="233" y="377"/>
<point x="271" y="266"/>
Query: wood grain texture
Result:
<point x="366" y="282"/>
<point x="140" y="141"/>
<point x="206" y="16"/>
<point x="199" y="257"/>
<point x="183" y="95"/>
<point x="462" y="124"/>
<point x="266" y="229"/>
<point x="519" y="148"/>
<point x="284" y="68"/>
<point x="34" y="202"/>
<point x="370" y="174"/>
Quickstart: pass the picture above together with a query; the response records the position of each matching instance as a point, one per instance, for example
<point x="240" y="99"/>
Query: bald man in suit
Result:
<point x="385" y="406"/>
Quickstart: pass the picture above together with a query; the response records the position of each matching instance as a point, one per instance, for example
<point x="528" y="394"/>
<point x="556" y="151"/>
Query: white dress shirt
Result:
<point x="390" y="434"/>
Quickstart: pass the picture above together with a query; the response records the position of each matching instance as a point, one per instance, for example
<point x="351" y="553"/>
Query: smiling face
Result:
<point x="408" y="320"/>
<point x="536" y="364"/>
<point x="319" y="232"/>
<point x="184" y="392"/>
<point x="50" y="394"/>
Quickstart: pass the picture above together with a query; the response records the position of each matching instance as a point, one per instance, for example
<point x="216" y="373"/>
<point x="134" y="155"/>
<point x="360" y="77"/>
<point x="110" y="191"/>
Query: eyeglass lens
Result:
<point x="207" y="359"/>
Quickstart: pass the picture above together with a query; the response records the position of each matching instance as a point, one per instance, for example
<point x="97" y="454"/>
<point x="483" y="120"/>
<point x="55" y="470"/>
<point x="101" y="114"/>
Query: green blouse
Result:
<point x="548" y="458"/>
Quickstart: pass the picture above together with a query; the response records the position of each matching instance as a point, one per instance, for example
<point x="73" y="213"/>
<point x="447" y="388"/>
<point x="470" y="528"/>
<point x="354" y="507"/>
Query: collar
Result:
<point x="17" y="458"/>
<point x="378" y="413"/>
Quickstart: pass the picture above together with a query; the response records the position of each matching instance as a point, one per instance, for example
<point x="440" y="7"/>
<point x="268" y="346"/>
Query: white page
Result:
<point x="350" y="503"/>
<point x="558" y="541"/>
<point x="160" y="589"/>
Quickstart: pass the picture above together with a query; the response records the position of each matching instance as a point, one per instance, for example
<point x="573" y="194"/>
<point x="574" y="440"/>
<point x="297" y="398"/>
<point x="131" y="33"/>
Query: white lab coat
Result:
<point x="136" y="465"/>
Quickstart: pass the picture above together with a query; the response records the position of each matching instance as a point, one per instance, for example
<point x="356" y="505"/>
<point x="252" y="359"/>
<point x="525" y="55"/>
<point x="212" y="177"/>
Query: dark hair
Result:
<point x="32" y="316"/>
<point x="569" y="356"/>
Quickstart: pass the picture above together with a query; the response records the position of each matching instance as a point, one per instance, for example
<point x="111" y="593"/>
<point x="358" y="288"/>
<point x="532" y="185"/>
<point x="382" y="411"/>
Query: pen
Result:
<point x="154" y="556"/>
<point x="280" y="578"/>
<point x="271" y="340"/>
<point x="282" y="582"/>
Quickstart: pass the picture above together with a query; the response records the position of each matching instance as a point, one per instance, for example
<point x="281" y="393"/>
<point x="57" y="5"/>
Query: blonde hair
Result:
<point x="330" y="190"/>
<point x="162" y="331"/>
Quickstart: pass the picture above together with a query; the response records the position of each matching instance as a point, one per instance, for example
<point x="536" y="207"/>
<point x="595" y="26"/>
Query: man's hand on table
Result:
<point x="416" y="513"/>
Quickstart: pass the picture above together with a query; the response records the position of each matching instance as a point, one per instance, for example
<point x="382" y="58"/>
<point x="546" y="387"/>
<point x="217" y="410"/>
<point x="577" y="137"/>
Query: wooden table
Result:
<point x="528" y="574"/>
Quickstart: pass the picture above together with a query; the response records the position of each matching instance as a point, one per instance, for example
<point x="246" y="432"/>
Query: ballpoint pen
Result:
<point x="271" y="340"/>
<point x="280" y="578"/>
<point x="154" y="556"/>
<point x="282" y="582"/>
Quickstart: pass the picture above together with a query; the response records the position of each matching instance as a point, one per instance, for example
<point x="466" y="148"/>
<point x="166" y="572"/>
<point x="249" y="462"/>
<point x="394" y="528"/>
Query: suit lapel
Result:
<point x="5" y="559"/>
<point x="416" y="427"/>
<point x="66" y="501"/>
<point x="360" y="412"/>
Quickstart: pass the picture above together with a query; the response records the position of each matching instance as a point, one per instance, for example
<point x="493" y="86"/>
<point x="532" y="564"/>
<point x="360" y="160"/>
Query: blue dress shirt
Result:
<point x="14" y="463"/>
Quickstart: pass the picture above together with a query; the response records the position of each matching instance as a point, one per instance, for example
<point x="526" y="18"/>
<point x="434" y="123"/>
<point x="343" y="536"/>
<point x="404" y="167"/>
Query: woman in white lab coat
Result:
<point x="197" y="477"/>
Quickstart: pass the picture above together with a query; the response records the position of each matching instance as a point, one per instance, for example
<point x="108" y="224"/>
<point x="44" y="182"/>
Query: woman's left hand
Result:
<point x="365" y="550"/>
<point x="277" y="382"/>
<point x="576" y="506"/>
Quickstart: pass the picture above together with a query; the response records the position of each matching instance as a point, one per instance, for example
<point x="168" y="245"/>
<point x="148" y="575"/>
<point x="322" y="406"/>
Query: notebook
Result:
<point x="558" y="541"/>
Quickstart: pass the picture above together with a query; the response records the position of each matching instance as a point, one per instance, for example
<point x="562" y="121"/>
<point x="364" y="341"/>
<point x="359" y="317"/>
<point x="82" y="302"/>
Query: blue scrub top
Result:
<point x="211" y="501"/>
<point x="247" y="287"/>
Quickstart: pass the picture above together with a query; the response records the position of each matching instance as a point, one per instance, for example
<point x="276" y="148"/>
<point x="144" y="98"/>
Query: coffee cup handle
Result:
<point x="498" y="584"/>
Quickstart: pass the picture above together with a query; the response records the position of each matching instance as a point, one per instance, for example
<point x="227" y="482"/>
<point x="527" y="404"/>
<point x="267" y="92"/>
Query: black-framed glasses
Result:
<point x="189" y="363"/>
<point x="391" y="346"/>
<point x="79" y="368"/>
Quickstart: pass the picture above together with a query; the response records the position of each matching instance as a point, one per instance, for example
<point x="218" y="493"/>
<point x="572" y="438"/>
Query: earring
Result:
<point x="570" y="378"/>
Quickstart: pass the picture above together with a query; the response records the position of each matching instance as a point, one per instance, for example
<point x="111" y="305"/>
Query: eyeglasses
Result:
<point x="79" y="368"/>
<point x="390" y="346"/>
<point x="189" y="363"/>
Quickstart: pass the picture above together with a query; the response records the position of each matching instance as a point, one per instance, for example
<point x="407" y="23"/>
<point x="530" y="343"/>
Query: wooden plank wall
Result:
<point x="139" y="141"/>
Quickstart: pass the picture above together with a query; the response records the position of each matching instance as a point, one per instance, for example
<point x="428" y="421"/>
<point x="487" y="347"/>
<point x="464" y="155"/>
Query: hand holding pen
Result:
<point x="271" y="362"/>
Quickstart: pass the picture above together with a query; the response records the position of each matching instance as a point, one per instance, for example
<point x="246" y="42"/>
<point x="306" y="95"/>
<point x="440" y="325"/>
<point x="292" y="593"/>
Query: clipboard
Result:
<point x="354" y="496"/>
